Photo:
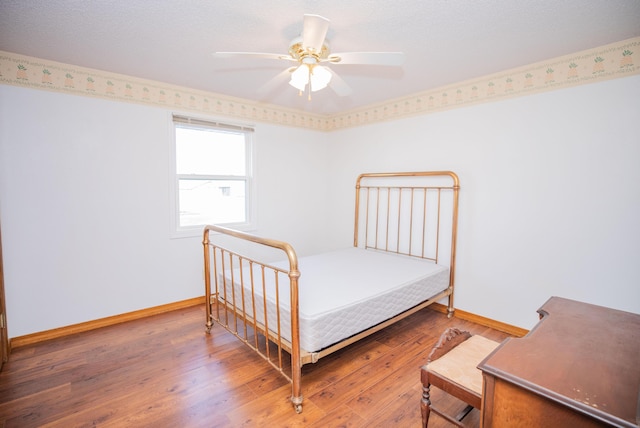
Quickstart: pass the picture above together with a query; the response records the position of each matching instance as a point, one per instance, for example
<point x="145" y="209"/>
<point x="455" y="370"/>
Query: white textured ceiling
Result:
<point x="445" y="41"/>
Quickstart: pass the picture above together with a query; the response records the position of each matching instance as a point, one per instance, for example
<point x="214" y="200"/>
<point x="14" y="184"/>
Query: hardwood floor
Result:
<point x="164" y="371"/>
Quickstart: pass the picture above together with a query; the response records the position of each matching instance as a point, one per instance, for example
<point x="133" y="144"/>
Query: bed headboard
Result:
<point x="409" y="213"/>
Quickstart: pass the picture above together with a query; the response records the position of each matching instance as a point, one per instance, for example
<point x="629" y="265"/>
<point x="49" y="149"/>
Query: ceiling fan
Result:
<point x="311" y="51"/>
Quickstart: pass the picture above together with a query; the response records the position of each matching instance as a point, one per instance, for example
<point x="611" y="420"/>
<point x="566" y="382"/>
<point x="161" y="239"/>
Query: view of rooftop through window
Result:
<point x="211" y="170"/>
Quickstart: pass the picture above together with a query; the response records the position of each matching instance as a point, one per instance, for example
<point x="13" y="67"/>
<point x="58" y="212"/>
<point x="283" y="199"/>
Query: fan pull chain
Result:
<point x="309" y="97"/>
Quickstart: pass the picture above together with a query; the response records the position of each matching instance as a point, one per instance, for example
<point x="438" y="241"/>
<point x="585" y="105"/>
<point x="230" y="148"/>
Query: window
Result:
<point x="213" y="175"/>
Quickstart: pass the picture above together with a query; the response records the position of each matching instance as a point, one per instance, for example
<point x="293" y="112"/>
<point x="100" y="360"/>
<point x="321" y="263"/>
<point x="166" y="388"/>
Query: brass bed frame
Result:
<point x="397" y="215"/>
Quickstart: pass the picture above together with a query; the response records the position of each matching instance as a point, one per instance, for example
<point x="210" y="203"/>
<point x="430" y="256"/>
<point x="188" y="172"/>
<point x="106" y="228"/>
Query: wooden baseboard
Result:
<point x="55" y="333"/>
<point x="29" y="339"/>
<point x="487" y="322"/>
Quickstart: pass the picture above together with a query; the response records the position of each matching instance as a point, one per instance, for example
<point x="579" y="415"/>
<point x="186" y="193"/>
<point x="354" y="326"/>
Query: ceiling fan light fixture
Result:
<point x="315" y="75"/>
<point x="320" y="78"/>
<point x="300" y="77"/>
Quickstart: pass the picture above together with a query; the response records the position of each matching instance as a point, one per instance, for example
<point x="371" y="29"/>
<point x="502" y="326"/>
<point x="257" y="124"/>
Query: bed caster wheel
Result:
<point x="297" y="404"/>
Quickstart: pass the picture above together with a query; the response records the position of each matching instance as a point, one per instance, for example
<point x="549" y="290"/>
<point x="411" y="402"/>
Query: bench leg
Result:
<point x="425" y="404"/>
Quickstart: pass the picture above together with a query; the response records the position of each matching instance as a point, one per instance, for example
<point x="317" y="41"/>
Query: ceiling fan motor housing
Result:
<point x="308" y="55"/>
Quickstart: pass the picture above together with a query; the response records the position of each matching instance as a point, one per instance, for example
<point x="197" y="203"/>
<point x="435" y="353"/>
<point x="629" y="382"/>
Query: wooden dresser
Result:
<point x="578" y="367"/>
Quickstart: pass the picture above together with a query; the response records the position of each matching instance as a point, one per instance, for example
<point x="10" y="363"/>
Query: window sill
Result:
<point x="197" y="231"/>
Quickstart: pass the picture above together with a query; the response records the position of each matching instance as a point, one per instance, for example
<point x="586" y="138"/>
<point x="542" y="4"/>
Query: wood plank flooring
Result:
<point x="164" y="371"/>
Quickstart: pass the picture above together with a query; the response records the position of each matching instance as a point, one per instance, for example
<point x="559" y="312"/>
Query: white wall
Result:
<point x="292" y="173"/>
<point x="84" y="206"/>
<point x="550" y="199"/>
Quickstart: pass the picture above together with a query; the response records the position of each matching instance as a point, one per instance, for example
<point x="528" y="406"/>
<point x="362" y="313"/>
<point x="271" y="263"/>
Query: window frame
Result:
<point x="195" y="121"/>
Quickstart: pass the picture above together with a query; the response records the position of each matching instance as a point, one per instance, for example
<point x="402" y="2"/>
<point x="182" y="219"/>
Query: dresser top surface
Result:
<point x="581" y="355"/>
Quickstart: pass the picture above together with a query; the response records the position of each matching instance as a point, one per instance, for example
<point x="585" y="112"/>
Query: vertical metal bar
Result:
<point x="266" y="320"/>
<point x="411" y="223"/>
<point x="357" y="214"/>
<point x="386" y="238"/>
<point x="377" y="214"/>
<point x="275" y="274"/>
<point x="244" y="312"/>
<point x="399" y="212"/>
<point x="216" y="279"/>
<point x="438" y="227"/>
<point x="366" y="231"/>
<point x="207" y="280"/>
<point x="224" y="289"/>
<point x="254" y="316"/>
<point x="233" y="294"/>
<point x="424" y="221"/>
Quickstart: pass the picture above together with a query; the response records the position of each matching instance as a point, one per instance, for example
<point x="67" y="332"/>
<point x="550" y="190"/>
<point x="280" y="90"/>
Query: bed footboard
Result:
<point x="245" y="296"/>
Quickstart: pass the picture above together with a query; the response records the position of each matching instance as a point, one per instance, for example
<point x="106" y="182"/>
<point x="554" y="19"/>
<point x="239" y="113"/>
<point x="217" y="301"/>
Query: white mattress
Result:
<point x="344" y="292"/>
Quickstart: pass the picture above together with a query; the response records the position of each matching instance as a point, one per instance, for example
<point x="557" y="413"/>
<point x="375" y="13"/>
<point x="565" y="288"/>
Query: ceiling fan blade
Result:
<point x="338" y="85"/>
<point x="314" y="31"/>
<point x="276" y="81"/>
<point x="263" y="55"/>
<point x="369" y="58"/>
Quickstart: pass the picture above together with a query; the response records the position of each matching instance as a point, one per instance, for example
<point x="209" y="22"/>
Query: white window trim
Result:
<point x="196" y="231"/>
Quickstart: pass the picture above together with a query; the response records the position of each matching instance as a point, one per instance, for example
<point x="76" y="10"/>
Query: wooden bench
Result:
<point x="452" y="367"/>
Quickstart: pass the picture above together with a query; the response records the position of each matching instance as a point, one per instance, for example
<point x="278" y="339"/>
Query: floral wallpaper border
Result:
<point x="20" y="70"/>
<point x="603" y="63"/>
